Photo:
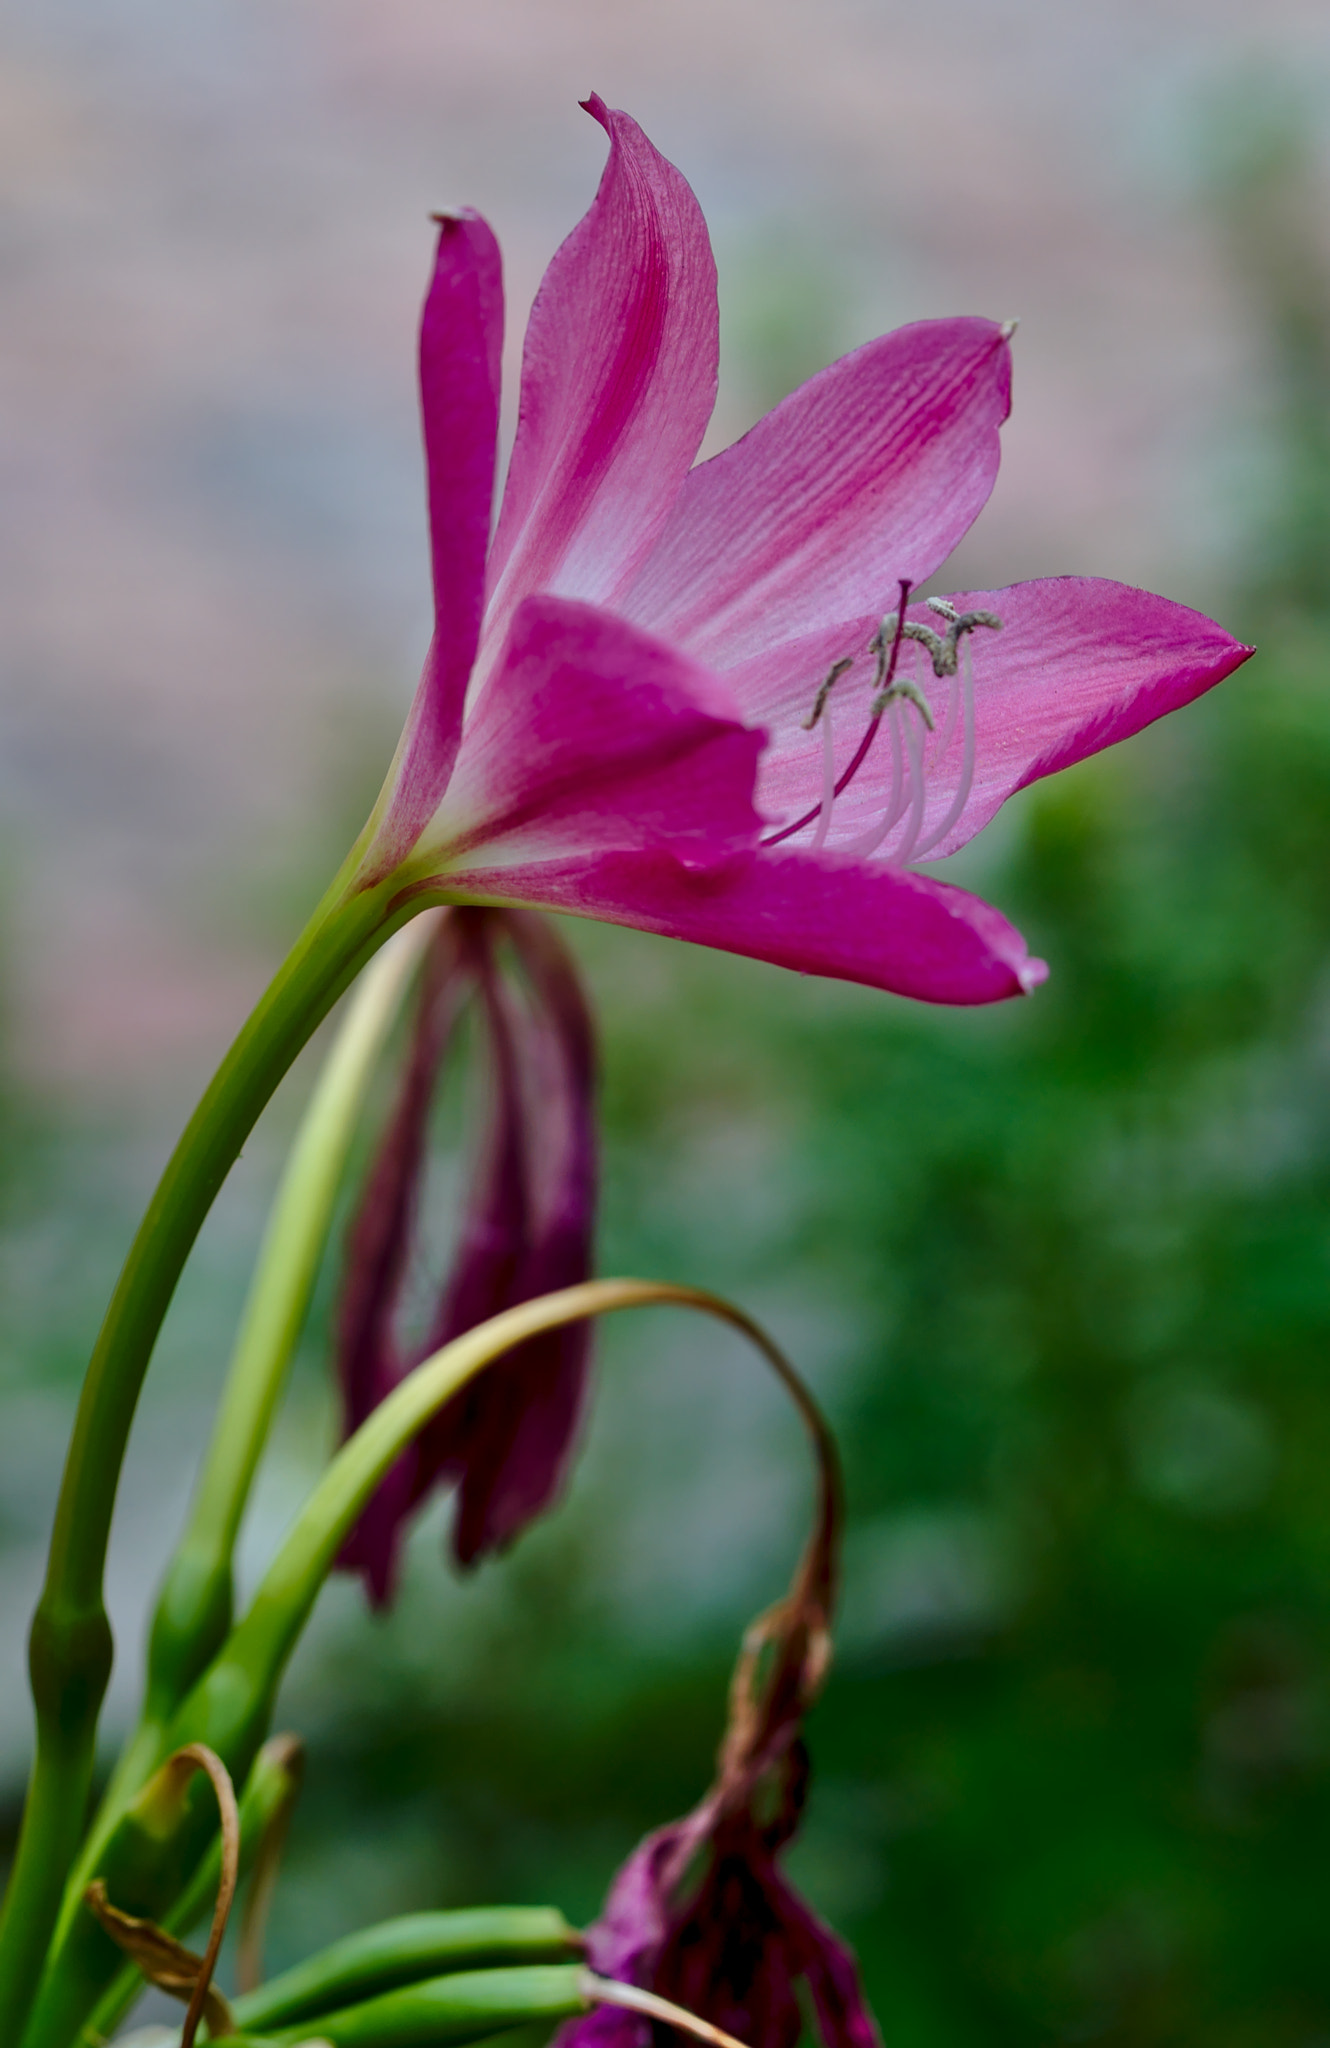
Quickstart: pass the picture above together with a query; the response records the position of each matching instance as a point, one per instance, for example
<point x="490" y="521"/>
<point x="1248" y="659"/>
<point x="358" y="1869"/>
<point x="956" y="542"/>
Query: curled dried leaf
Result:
<point x="163" y="1960"/>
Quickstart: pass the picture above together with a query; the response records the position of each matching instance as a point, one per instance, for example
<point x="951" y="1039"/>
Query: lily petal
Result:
<point x="461" y="342"/>
<point x="590" y="736"/>
<point x="509" y="1436"/>
<point x="378" y="1250"/>
<point x="890" y="929"/>
<point x="1080" y="663"/>
<point x="618" y="383"/>
<point x="829" y="1969"/>
<point x="870" y="472"/>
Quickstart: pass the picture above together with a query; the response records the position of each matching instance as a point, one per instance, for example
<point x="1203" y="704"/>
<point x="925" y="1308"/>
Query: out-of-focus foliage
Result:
<point x="1063" y="1272"/>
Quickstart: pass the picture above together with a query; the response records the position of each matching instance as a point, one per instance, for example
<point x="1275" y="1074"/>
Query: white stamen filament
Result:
<point x="609" y="1991"/>
<point x="914" y="739"/>
<point x="869" y="841"/>
<point x="828" y="778"/>
<point x="949" y="722"/>
<point x="962" y="795"/>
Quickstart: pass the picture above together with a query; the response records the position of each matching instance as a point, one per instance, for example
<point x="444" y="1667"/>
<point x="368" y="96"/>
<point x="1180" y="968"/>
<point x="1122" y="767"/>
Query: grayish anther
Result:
<point x="833" y="676"/>
<point x="943" y="648"/>
<point x="901" y="689"/>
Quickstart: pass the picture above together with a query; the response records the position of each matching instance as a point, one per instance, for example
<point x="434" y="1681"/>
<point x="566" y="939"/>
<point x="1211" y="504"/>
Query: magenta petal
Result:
<point x="374" y="1547"/>
<point x="618" y="383"/>
<point x="592" y="735"/>
<point x="509" y="1436"/>
<point x="830" y="1972"/>
<point x="461" y="339"/>
<point x="1079" y="664"/>
<point x="497" y="1224"/>
<point x="894" y="930"/>
<point x="871" y="472"/>
<point x="625" y="1942"/>
<point x="368" y="1361"/>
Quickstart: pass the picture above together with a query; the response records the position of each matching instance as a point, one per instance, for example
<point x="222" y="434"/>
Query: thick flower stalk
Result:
<point x="526" y="1229"/>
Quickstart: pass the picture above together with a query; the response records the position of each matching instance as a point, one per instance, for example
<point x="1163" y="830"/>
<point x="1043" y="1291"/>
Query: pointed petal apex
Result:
<point x="461" y="343"/>
<point x="618" y="383"/>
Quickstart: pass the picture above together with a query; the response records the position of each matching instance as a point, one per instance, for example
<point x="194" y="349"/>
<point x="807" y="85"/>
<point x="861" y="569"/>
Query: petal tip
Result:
<point x="594" y="105"/>
<point x="1031" y="974"/>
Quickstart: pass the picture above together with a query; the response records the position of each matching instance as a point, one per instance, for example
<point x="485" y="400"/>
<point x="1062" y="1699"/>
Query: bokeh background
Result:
<point x="1061" y="1272"/>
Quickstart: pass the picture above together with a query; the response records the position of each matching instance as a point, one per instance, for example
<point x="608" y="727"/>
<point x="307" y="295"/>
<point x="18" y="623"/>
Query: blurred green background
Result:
<point x="1061" y="1274"/>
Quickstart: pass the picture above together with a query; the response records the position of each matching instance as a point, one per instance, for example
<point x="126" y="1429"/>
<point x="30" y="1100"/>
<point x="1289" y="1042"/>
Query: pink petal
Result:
<point x="1079" y="664"/>
<point x="893" y="930"/>
<point x="872" y="471"/>
<point x="591" y="736"/>
<point x="461" y="338"/>
<point x="618" y="383"/>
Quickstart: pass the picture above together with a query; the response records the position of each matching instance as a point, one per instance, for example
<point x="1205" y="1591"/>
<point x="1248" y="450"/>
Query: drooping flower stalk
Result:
<point x="702" y="1913"/>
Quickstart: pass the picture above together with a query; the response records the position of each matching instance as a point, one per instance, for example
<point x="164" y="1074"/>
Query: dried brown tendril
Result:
<point x="163" y="1960"/>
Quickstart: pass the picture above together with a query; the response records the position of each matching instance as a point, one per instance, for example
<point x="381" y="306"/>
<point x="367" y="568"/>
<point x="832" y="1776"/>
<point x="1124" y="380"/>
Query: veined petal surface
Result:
<point x="1079" y="663"/>
<point x="461" y="343"/>
<point x="910" y="933"/>
<point x="618" y="384"/>
<point x="590" y="735"/>
<point x="870" y="472"/>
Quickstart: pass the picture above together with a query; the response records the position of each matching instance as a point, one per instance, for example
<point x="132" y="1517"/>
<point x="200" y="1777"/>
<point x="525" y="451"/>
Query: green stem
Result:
<point x="230" y="1706"/>
<point x="194" y="1608"/>
<point x="70" y="1648"/>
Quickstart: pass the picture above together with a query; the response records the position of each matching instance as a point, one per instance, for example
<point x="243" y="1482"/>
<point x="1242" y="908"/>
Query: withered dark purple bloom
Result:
<point x="702" y="1912"/>
<point x="527" y="1228"/>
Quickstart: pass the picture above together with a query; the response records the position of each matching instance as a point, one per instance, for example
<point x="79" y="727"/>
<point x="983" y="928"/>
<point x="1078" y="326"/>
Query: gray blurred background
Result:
<point x="214" y="235"/>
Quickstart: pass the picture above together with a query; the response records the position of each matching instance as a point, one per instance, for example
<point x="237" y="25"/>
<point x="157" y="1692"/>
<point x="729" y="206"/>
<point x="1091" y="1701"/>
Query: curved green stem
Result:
<point x="194" y="1608"/>
<point x="230" y="1706"/>
<point x="70" y="1646"/>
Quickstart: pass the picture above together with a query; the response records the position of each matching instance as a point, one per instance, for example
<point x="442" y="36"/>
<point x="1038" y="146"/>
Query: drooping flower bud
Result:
<point x="527" y="1227"/>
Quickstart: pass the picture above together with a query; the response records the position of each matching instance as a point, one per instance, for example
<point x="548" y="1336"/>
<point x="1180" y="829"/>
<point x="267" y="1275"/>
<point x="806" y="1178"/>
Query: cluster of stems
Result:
<point x="152" y="1845"/>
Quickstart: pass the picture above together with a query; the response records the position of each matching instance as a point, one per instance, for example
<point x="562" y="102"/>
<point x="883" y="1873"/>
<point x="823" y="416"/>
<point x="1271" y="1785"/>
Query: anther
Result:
<point x="833" y="676"/>
<point x="903" y="690"/>
<point x="944" y="648"/>
<point x="900" y="688"/>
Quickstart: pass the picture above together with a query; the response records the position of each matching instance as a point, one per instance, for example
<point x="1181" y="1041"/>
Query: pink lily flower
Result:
<point x="685" y="697"/>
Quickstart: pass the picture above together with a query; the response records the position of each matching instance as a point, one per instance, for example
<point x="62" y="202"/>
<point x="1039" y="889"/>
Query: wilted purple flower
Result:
<point x="702" y="1913"/>
<point x="526" y="1229"/>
